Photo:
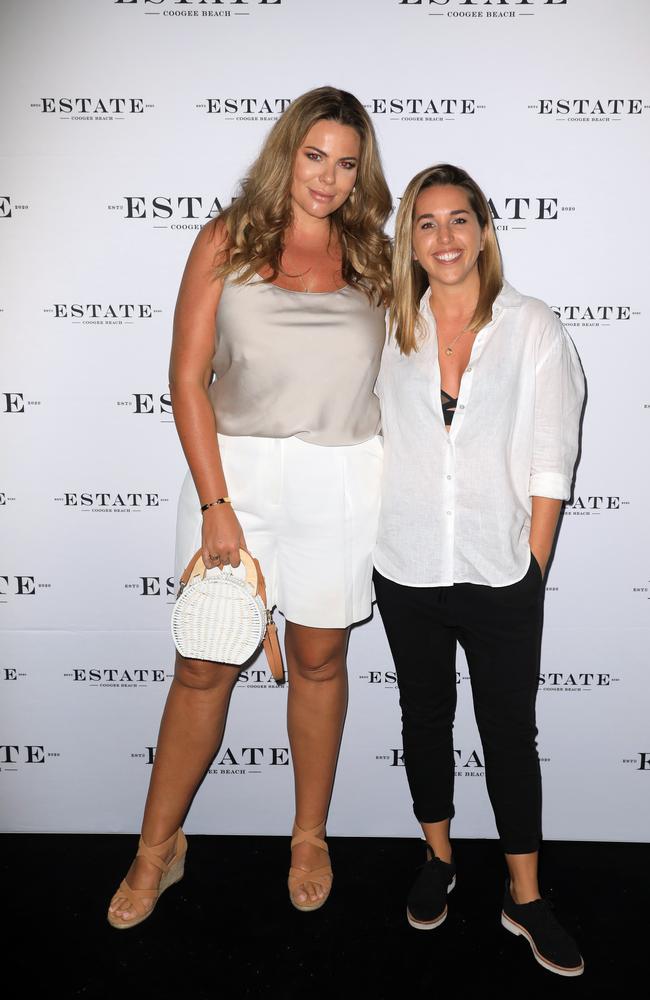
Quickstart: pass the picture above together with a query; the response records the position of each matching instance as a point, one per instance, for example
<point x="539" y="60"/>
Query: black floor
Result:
<point x="228" y="931"/>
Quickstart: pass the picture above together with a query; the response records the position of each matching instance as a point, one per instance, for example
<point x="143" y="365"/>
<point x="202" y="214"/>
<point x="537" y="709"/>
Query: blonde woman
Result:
<point x="278" y="332"/>
<point x="481" y="395"/>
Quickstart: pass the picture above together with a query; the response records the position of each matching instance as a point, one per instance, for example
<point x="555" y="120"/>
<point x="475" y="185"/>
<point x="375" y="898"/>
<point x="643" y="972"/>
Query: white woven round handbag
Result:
<point x="221" y="614"/>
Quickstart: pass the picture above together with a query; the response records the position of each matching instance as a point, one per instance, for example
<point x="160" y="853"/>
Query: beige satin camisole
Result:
<point x="300" y="364"/>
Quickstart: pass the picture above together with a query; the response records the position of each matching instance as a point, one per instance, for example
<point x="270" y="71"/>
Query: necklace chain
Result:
<point x="301" y="277"/>
<point x="449" y="348"/>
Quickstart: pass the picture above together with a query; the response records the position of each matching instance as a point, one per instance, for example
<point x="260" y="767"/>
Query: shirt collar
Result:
<point x="507" y="298"/>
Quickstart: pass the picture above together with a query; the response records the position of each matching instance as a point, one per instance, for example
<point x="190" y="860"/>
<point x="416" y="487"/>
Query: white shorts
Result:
<point x="309" y="513"/>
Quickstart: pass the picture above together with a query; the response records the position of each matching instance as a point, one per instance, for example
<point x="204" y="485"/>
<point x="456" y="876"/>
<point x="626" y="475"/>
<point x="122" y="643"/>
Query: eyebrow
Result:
<point x="455" y="211"/>
<point x="323" y="153"/>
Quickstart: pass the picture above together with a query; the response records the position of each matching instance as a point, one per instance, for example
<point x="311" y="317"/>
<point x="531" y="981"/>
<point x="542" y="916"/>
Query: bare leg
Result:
<point x="524" y="887"/>
<point x="318" y="692"/>
<point x="437" y="837"/>
<point x="190" y="733"/>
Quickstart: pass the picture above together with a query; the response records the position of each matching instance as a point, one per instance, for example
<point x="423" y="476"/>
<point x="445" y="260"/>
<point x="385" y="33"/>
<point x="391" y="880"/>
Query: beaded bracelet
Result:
<point x="213" y="503"/>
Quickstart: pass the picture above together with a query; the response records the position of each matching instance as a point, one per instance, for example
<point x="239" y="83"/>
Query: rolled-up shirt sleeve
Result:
<point x="559" y="395"/>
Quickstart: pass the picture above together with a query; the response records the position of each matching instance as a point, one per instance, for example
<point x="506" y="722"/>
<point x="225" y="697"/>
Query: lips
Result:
<point x="448" y="256"/>
<point x="319" y="196"/>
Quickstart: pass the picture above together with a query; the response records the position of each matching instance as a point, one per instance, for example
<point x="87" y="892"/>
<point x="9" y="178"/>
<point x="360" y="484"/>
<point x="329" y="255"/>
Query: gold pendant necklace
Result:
<point x="449" y="349"/>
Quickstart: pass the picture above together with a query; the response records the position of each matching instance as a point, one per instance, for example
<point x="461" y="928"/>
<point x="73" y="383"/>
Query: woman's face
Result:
<point x="325" y="168"/>
<point x="447" y="237"/>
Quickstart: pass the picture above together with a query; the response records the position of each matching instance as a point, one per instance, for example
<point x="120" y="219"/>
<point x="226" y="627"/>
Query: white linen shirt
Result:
<point x="456" y="505"/>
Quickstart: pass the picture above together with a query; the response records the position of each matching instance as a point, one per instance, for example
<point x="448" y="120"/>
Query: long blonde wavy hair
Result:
<point x="256" y="221"/>
<point x="410" y="280"/>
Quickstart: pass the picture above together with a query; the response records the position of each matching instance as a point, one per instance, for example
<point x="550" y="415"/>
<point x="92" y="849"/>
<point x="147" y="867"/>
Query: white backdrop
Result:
<point x="126" y="123"/>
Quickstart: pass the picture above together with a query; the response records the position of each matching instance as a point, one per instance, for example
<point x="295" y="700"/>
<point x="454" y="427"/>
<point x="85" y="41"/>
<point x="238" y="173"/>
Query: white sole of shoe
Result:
<point x="515" y="928"/>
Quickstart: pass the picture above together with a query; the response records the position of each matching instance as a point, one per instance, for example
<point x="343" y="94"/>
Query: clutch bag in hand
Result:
<point x="220" y="614"/>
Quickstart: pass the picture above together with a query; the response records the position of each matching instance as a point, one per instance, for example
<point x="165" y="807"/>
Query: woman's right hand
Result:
<point x="221" y="537"/>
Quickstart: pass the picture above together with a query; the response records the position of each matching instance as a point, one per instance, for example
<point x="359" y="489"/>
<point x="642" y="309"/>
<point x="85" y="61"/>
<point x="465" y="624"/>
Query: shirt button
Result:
<point x="461" y="406"/>
<point x="448" y="512"/>
<point x="469" y="368"/>
<point x="448" y="477"/>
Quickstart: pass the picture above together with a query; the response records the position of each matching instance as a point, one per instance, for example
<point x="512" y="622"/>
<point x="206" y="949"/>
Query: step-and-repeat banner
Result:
<point x="126" y="124"/>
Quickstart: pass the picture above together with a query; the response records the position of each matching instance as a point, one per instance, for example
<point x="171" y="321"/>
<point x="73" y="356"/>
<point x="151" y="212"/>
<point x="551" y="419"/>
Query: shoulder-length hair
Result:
<point x="410" y="280"/>
<point x="256" y="221"/>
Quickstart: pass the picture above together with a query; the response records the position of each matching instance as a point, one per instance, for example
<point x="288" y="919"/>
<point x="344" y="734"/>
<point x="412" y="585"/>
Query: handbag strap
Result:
<point x="255" y="577"/>
<point x="270" y="641"/>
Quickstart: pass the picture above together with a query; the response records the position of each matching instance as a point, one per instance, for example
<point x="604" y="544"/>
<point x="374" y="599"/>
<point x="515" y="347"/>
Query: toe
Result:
<point x="122" y="908"/>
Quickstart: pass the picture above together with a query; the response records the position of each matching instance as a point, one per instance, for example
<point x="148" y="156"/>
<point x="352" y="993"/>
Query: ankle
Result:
<point x="441" y="851"/>
<point x="144" y="867"/>
<point x="161" y="846"/>
<point x="316" y="829"/>
<point x="523" y="893"/>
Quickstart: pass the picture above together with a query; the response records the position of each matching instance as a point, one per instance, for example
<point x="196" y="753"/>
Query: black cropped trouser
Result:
<point x="499" y="629"/>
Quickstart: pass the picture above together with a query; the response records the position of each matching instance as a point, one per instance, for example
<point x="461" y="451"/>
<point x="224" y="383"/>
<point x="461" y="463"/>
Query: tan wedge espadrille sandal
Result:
<point x="323" y="876"/>
<point x="170" y="873"/>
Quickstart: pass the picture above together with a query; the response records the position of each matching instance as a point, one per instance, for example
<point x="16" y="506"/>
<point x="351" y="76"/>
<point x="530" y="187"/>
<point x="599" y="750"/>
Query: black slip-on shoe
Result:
<point x="427" y="901"/>
<point x="552" y="946"/>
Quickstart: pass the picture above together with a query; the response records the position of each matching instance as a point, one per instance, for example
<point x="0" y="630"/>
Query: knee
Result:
<point x="202" y="675"/>
<point x="315" y="654"/>
<point x="511" y="750"/>
<point x="325" y="667"/>
<point x="511" y="731"/>
<point x="427" y="714"/>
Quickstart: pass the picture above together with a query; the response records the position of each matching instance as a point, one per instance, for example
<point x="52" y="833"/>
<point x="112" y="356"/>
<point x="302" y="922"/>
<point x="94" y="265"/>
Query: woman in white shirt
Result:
<point x="481" y="392"/>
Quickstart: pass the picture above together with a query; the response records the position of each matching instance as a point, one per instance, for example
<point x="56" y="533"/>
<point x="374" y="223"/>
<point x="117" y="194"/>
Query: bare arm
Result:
<point x="190" y="373"/>
<point x="543" y="525"/>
